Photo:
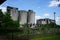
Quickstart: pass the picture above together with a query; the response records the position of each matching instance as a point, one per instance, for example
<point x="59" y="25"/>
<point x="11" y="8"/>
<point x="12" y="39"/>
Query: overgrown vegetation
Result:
<point x="51" y="25"/>
<point x="46" y="37"/>
<point x="8" y="25"/>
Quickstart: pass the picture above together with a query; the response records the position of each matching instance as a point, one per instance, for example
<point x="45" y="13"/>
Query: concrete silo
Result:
<point x="23" y="16"/>
<point x="31" y="18"/>
<point x="13" y="11"/>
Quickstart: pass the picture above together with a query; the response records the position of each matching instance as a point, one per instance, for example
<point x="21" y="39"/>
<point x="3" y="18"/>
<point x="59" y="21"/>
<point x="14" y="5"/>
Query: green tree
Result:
<point x="7" y="24"/>
<point x="1" y="18"/>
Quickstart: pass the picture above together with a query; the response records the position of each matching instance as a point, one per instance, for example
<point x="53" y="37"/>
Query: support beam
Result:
<point x="1" y="1"/>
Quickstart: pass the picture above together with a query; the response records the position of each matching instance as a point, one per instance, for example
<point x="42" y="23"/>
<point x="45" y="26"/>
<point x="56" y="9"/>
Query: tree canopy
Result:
<point x="6" y="23"/>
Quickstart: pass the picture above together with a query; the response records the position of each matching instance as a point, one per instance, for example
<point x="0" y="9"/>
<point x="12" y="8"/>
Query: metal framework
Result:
<point x="1" y="1"/>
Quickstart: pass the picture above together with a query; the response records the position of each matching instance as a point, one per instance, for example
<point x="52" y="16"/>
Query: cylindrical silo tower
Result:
<point x="31" y="18"/>
<point x="13" y="11"/>
<point x="23" y="16"/>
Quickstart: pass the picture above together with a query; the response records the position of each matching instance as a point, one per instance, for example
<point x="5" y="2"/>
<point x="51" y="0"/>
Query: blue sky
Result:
<point x="42" y="8"/>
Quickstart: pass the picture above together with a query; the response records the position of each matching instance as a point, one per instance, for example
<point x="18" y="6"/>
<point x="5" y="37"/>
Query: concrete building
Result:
<point x="13" y="11"/>
<point x="44" y="21"/>
<point x="31" y="18"/>
<point x="22" y="15"/>
<point x="27" y="15"/>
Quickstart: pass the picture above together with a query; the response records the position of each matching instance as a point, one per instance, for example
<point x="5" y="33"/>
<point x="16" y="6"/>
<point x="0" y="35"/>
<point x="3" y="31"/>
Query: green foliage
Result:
<point x="7" y="17"/>
<point x="51" y="25"/>
<point x="1" y="14"/>
<point x="1" y="18"/>
<point x="58" y="26"/>
<point x="46" y="37"/>
<point x="25" y="25"/>
<point x="7" y="24"/>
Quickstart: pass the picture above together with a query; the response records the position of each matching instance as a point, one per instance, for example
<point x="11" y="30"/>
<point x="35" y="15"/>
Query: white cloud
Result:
<point x="46" y="15"/>
<point x="58" y="20"/>
<point x="37" y="17"/>
<point x="3" y="9"/>
<point x="54" y="3"/>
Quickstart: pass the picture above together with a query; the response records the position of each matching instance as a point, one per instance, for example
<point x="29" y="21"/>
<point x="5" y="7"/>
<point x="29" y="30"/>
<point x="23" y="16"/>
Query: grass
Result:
<point x="47" y="37"/>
